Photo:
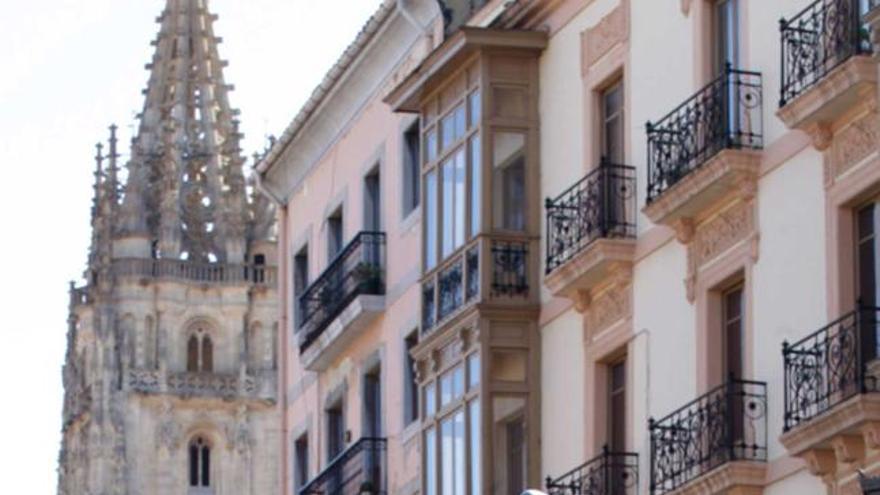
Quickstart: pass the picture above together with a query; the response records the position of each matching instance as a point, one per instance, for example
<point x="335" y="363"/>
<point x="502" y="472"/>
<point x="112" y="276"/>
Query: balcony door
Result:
<point x="867" y="268"/>
<point x="733" y="335"/>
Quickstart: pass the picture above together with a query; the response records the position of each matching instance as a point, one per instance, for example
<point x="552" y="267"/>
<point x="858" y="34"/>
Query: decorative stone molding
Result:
<point x="852" y="145"/>
<point x="601" y="38"/>
<point x="729" y="174"/>
<point x="738" y="477"/>
<point x="826" y="103"/>
<point x="592" y="267"/>
<point x="718" y="235"/>
<point x="721" y="233"/>
<point x="820" y="134"/>
<point x="609" y="307"/>
<point x="840" y="441"/>
<point x="217" y="385"/>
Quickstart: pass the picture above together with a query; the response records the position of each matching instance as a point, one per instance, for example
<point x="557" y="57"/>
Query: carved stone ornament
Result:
<point x="716" y="236"/>
<point x="855" y="143"/>
<point x="821" y="135"/>
<point x="601" y="38"/>
<point x="609" y="307"/>
<point x="168" y="434"/>
<point x="721" y="233"/>
<point x="238" y="434"/>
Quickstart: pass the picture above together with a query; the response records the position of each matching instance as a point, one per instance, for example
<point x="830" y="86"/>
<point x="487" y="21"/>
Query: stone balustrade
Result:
<point x="218" y="385"/>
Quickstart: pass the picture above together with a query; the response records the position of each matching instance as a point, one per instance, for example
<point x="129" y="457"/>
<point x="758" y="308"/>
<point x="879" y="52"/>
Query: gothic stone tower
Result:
<point x="170" y="375"/>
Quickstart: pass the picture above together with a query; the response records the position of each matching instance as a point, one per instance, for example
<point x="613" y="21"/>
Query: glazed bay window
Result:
<point x="452" y="431"/>
<point x="452" y="191"/>
<point x="477" y="354"/>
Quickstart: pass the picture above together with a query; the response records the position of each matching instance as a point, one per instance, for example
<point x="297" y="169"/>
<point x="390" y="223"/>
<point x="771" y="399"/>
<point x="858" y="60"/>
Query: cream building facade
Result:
<point x="171" y="369"/>
<point x="591" y="246"/>
<point x="641" y="258"/>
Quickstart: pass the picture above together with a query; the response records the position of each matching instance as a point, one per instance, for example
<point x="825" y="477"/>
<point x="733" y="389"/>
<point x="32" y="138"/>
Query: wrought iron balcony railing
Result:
<point x="360" y="469"/>
<point x="510" y="260"/>
<point x="455" y="285"/>
<point x="600" y="205"/>
<point x="610" y="473"/>
<point x="830" y="366"/>
<point x="817" y="40"/>
<point x="727" y="424"/>
<point x="359" y="269"/>
<point x="725" y="114"/>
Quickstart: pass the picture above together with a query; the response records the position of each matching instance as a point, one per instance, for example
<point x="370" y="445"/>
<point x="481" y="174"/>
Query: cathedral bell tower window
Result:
<point x="199" y="353"/>
<point x="199" y="463"/>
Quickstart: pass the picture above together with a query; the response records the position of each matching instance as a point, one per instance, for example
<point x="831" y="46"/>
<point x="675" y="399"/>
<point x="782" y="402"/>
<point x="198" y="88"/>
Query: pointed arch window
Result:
<point x="199" y="353"/>
<point x="199" y="463"/>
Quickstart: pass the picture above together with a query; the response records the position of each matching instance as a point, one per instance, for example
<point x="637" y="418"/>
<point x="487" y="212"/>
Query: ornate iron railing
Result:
<point x="359" y="269"/>
<point x="727" y="424"/>
<point x="600" y="205"/>
<point x="817" y="40"/>
<point x="830" y="366"/>
<point x="454" y="285"/>
<point x="610" y="473"/>
<point x="226" y="273"/>
<point x="360" y="469"/>
<point x="725" y="114"/>
<point x="510" y="268"/>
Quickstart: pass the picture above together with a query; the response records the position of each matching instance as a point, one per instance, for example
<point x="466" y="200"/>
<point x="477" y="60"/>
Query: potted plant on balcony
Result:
<point x="368" y="278"/>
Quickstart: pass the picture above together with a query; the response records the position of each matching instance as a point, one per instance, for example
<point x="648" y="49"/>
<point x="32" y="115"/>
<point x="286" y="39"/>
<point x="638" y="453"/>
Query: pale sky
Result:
<point x="68" y="69"/>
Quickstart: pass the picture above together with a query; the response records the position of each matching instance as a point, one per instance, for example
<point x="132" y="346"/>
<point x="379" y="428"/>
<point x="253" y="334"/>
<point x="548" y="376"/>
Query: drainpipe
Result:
<point x="282" y="368"/>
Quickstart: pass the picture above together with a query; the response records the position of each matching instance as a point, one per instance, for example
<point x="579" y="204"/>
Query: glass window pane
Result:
<point x="474" y="443"/>
<point x="430" y="399"/>
<point x="460" y="121"/>
<point x="458" y="453"/>
<point x="457" y="382"/>
<point x="430" y="462"/>
<point x="446" y="388"/>
<point x="476" y="185"/>
<point x="447" y="476"/>
<point x="473" y="364"/>
<point x="474" y="106"/>
<point x="447" y="130"/>
<point x="431" y="220"/>
<point x="431" y="145"/>
<point x="509" y="187"/>
<point x="460" y="171"/>
<point x="448" y="203"/>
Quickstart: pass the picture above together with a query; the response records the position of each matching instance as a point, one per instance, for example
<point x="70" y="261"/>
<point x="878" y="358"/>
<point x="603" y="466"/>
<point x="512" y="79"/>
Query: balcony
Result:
<point x="591" y="229"/>
<point x="826" y="66"/>
<point x="719" y="440"/>
<point x="831" y="380"/>
<point x="210" y="385"/>
<point x="610" y="473"/>
<point x="706" y="149"/>
<point x="343" y="301"/>
<point x="502" y="262"/>
<point x="188" y="271"/>
<point x="360" y="469"/>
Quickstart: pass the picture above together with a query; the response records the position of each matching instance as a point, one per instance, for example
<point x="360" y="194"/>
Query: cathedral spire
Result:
<point x="186" y="192"/>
